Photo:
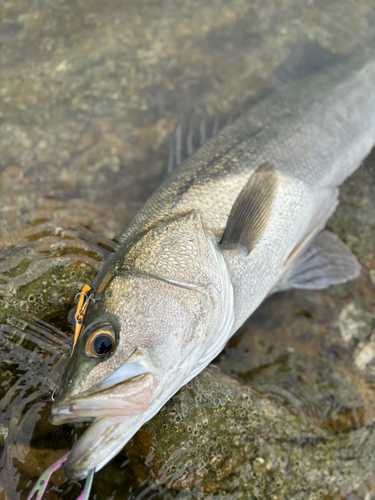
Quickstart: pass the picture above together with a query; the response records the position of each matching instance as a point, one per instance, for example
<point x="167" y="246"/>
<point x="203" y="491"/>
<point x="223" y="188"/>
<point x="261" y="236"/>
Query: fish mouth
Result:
<point x="115" y="410"/>
<point x="101" y="441"/>
<point x="124" y="399"/>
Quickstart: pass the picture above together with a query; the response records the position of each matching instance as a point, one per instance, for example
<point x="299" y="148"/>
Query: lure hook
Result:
<point x="40" y="486"/>
<point x="86" y="299"/>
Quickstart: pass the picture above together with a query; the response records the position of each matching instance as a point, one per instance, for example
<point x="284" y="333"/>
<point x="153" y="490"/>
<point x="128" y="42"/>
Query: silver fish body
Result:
<point x="181" y="284"/>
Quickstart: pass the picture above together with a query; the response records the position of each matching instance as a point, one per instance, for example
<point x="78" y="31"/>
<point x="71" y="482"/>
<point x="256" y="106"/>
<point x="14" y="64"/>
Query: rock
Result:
<point x="44" y="266"/>
<point x="211" y="428"/>
<point x="216" y="438"/>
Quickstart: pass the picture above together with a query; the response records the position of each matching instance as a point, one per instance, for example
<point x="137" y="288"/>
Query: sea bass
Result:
<point x="240" y="218"/>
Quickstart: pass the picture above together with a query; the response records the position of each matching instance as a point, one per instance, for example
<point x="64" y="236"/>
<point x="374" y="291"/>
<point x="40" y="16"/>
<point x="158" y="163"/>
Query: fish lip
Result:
<point x="127" y="398"/>
<point x="79" y="412"/>
<point x="67" y="414"/>
<point x="66" y="417"/>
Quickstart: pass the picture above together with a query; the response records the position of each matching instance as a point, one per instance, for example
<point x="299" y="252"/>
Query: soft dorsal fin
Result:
<point x="251" y="210"/>
<point x="304" y="59"/>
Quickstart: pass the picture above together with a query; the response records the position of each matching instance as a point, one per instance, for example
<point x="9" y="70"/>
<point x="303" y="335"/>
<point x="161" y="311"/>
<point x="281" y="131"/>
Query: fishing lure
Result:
<point x="40" y="487"/>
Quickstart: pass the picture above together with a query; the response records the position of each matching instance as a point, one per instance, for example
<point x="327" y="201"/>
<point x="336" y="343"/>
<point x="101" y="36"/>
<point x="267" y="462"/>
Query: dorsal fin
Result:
<point x="304" y="59"/>
<point x="192" y="131"/>
<point x="251" y="210"/>
<point x="194" y="128"/>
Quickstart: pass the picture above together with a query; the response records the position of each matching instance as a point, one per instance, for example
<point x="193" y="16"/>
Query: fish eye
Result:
<point x="101" y="342"/>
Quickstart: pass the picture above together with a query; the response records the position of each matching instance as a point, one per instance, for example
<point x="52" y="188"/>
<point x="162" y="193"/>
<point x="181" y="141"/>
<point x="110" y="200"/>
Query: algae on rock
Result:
<point x="226" y="439"/>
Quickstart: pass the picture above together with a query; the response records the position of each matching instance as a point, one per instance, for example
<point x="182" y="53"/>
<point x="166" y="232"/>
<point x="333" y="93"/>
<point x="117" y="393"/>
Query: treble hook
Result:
<point x="40" y="486"/>
<point x="81" y="313"/>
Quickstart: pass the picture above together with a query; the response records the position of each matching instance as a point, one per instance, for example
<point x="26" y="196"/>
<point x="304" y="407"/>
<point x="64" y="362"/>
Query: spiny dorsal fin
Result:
<point x="251" y="210"/>
<point x="193" y="130"/>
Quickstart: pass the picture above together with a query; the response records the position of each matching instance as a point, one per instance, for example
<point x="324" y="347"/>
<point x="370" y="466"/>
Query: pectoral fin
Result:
<point x="251" y="211"/>
<point x="327" y="261"/>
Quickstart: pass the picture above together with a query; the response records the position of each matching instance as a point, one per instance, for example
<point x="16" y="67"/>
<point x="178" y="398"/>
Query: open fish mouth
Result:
<point x="124" y="399"/>
<point x="115" y="411"/>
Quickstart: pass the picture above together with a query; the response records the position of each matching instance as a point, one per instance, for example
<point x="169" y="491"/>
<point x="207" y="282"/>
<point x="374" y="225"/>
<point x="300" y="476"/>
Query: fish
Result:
<point x="242" y="217"/>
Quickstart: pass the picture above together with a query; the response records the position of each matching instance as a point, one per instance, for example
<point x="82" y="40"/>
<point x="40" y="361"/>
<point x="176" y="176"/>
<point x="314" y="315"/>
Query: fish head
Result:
<point x="145" y="332"/>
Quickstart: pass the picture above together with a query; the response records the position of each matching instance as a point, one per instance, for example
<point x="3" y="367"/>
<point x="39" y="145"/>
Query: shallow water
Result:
<point x="90" y="93"/>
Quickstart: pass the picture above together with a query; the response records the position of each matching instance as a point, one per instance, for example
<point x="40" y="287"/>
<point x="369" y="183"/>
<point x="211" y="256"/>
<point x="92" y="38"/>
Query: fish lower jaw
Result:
<point x="76" y="413"/>
<point x="100" y="442"/>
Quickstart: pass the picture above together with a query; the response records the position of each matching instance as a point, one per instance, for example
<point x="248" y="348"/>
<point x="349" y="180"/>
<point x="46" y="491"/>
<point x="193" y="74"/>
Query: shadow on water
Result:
<point x="90" y="95"/>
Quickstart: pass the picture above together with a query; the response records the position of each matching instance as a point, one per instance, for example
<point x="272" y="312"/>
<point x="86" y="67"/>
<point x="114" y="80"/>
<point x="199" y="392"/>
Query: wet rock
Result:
<point x="217" y="437"/>
<point x="3" y="434"/>
<point x="211" y="428"/>
<point x="43" y="267"/>
<point x="352" y="323"/>
<point x="30" y="460"/>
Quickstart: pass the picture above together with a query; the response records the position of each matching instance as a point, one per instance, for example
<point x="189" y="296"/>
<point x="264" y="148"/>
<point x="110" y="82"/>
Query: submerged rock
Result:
<point x="43" y="267"/>
<point x="217" y="438"/>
